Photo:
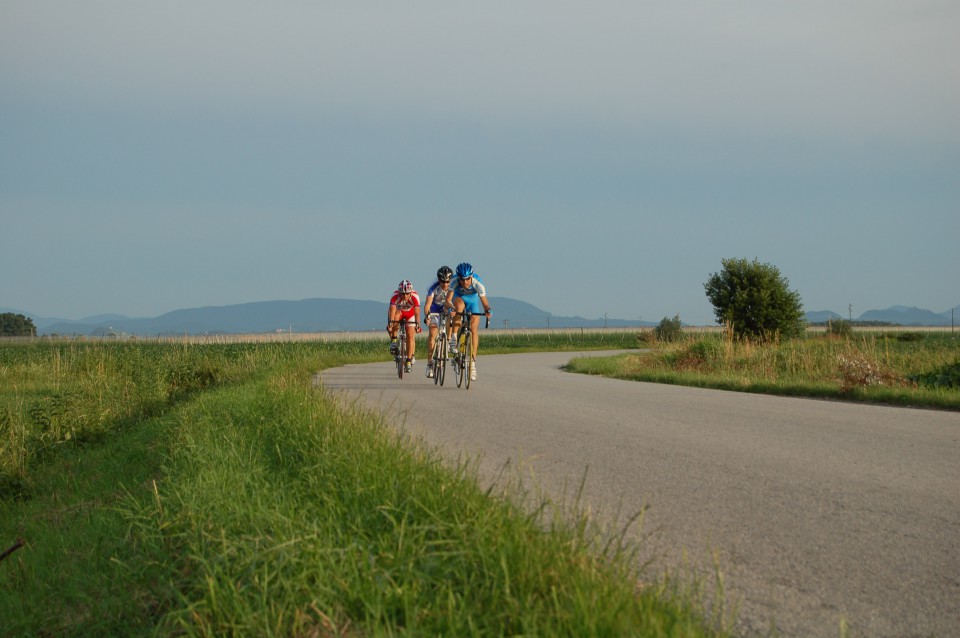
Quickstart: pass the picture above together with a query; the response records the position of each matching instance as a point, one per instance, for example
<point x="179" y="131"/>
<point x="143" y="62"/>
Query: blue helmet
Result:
<point x="464" y="270"/>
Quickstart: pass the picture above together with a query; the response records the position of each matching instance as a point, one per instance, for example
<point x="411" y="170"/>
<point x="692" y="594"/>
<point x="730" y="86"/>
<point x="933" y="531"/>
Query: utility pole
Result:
<point x="604" y="320"/>
<point x="850" y="310"/>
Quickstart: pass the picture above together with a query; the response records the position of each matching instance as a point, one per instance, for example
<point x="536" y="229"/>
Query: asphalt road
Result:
<point x="817" y="512"/>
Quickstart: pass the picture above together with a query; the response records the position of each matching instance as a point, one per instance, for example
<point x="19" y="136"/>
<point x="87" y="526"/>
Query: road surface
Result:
<point x="818" y="513"/>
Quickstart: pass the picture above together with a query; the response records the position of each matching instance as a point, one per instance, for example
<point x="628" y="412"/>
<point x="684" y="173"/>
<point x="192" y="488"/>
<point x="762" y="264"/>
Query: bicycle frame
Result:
<point x="463" y="361"/>
<point x="439" y="353"/>
<point x="401" y="356"/>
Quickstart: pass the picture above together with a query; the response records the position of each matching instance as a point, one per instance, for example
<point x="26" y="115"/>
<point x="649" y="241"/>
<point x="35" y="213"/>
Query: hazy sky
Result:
<point x="587" y="158"/>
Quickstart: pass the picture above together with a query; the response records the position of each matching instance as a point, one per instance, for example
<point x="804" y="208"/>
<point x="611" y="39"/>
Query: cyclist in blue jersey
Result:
<point x="434" y="305"/>
<point x="468" y="294"/>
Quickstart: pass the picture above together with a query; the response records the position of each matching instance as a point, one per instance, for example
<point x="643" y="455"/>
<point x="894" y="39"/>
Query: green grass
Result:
<point x="898" y="368"/>
<point x="220" y="493"/>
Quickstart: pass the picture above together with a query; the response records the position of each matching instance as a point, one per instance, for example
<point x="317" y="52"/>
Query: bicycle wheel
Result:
<point x="401" y="349"/>
<point x="465" y="342"/>
<point x="458" y="361"/>
<point x="440" y="363"/>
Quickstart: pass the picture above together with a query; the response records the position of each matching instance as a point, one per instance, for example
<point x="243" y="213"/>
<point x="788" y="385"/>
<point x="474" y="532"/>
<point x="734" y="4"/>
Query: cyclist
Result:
<point x="470" y="294"/>
<point x="404" y="304"/>
<point x="433" y="305"/>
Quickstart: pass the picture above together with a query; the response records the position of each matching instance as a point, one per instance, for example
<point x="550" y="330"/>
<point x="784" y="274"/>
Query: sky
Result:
<point x="591" y="159"/>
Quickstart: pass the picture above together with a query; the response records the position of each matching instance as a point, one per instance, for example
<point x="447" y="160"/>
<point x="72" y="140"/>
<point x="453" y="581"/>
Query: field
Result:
<point x="211" y="489"/>
<point x="916" y="368"/>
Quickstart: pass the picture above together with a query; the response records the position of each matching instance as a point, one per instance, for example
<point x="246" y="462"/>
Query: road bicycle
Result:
<point x="439" y="355"/>
<point x="400" y="356"/>
<point x="462" y="360"/>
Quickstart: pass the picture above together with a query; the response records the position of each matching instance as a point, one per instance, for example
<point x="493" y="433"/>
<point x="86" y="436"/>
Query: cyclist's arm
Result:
<point x="390" y="314"/>
<point x="416" y="312"/>
<point x="427" y="305"/>
<point x="482" y="293"/>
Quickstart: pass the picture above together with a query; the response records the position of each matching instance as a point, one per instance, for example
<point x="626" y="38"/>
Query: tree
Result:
<point x="755" y="300"/>
<point x="14" y="325"/>
<point x="669" y="329"/>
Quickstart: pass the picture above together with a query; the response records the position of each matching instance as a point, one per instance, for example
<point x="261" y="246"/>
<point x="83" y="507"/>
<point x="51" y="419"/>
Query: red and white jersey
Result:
<point x="405" y="306"/>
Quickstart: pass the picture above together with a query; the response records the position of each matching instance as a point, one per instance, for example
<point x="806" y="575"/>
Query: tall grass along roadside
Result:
<point x="218" y="493"/>
<point x="898" y="368"/>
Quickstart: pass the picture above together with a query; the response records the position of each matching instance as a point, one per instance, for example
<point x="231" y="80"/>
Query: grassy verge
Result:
<point x="230" y="497"/>
<point x="905" y="369"/>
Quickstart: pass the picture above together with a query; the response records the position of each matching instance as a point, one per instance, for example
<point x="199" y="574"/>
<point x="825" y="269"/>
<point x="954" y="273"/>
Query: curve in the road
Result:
<point x="820" y="512"/>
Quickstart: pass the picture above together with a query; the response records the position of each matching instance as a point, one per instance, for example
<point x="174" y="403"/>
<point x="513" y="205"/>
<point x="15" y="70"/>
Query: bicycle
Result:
<point x="400" y="356"/>
<point x="462" y="360"/>
<point x="439" y="354"/>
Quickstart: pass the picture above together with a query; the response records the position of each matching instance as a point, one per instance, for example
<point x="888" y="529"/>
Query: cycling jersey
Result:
<point x="471" y="295"/>
<point x="408" y="307"/>
<point x="476" y="288"/>
<point x="439" y="297"/>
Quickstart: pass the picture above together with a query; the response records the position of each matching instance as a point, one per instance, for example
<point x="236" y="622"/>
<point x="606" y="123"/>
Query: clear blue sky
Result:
<point x="588" y="158"/>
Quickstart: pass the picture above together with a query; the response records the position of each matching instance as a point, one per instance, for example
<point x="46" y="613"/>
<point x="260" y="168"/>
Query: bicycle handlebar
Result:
<point x="467" y="313"/>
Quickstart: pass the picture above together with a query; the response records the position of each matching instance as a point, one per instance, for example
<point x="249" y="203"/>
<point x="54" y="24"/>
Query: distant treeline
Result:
<point x="15" y="325"/>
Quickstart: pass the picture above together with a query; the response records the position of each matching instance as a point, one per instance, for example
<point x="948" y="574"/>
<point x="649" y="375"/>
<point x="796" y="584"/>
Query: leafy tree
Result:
<point x="14" y="325"/>
<point x="755" y="300"/>
<point x="669" y="329"/>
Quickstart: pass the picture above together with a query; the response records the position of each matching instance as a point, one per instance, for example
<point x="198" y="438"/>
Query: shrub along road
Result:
<point x="818" y="513"/>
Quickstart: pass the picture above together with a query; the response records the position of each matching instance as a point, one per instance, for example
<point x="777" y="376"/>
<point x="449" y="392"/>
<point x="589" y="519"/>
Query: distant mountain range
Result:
<point x="334" y="315"/>
<point x="900" y="315"/>
<point x="307" y="315"/>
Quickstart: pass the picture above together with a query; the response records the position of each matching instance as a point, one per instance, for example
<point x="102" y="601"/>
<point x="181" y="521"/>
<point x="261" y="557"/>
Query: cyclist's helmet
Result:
<point x="405" y="286"/>
<point x="464" y="270"/>
<point x="444" y="274"/>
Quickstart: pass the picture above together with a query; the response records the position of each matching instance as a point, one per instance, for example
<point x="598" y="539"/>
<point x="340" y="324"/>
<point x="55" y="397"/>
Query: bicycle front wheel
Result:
<point x="401" y="355"/>
<point x="458" y="363"/>
<point x="440" y="360"/>
<point x="466" y="358"/>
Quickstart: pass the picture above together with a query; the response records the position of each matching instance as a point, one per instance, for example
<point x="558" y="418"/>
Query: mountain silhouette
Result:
<point x="335" y="315"/>
<point x="306" y="315"/>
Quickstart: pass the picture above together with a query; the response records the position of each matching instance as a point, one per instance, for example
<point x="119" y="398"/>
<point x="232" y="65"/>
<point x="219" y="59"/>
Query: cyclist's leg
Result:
<point x="473" y="304"/>
<point x="474" y="334"/>
<point x="431" y="333"/>
<point x="411" y="337"/>
<point x="458" y="306"/>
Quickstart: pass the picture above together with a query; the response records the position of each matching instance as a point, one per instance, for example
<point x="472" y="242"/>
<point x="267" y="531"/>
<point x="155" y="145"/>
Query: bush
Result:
<point x="668" y="329"/>
<point x="646" y="337"/>
<point x="755" y="300"/>
<point x="910" y="336"/>
<point x="839" y="328"/>
<point x="947" y="377"/>
<point x="860" y="371"/>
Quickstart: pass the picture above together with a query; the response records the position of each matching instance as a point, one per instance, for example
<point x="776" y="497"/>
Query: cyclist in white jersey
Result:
<point x="468" y="294"/>
<point x="434" y="305"/>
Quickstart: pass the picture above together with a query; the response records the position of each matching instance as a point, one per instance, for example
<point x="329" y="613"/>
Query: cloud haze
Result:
<point x="586" y="158"/>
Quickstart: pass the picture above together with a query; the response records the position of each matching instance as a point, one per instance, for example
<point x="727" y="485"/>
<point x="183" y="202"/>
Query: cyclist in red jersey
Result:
<point x="404" y="304"/>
